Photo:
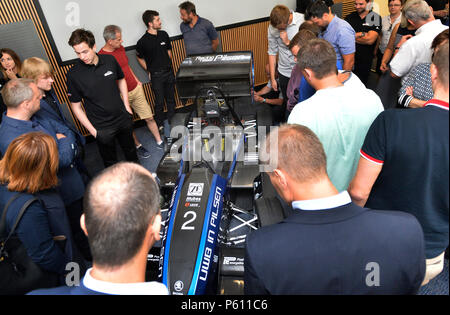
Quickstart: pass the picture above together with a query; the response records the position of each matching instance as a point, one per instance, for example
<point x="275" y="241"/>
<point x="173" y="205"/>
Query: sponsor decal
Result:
<point x="178" y="286"/>
<point x="193" y="199"/>
<point x="192" y="205"/>
<point x="233" y="261"/>
<point x="196" y="189"/>
<point x="212" y="234"/>
<point x="206" y="59"/>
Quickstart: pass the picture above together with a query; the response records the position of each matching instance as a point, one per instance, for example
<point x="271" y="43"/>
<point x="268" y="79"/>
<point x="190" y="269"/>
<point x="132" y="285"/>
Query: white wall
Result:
<point x="64" y="16"/>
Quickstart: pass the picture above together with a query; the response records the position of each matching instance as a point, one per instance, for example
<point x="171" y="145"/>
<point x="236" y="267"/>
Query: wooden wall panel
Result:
<point x="251" y="37"/>
<point x="178" y="55"/>
<point x="348" y="6"/>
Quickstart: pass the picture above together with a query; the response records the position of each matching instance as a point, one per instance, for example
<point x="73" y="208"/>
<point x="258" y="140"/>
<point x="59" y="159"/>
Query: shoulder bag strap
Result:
<point x="19" y="217"/>
<point x="5" y="210"/>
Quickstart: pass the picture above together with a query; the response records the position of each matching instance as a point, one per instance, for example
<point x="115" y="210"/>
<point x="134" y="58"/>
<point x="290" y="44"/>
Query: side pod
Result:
<point x="188" y="256"/>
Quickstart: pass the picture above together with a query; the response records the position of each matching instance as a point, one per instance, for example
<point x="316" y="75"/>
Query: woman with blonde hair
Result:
<point x="28" y="170"/>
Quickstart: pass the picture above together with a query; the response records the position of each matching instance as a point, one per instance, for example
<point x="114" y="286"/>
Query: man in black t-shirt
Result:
<point x="99" y="81"/>
<point x="154" y="54"/>
<point x="367" y="26"/>
<point x="404" y="164"/>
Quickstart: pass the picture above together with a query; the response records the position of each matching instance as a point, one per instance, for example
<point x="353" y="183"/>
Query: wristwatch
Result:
<point x="264" y="100"/>
<point x="363" y="34"/>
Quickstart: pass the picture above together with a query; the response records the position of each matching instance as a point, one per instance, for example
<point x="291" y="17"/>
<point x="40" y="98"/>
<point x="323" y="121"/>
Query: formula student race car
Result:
<point x="210" y="180"/>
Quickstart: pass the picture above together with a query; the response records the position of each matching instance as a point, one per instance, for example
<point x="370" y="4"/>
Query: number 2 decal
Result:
<point x="185" y="225"/>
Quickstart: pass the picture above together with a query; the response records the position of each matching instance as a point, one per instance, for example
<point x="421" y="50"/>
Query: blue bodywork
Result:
<point x="198" y="270"/>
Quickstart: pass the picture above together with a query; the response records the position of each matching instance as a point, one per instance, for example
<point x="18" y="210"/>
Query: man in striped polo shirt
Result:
<point x="404" y="164"/>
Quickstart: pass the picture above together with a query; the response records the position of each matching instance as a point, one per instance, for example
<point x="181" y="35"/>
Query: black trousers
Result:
<point x="363" y="64"/>
<point x="123" y="132"/>
<point x="280" y="113"/>
<point x="163" y="87"/>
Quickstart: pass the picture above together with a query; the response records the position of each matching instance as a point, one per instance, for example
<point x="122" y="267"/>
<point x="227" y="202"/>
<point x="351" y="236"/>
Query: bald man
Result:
<point x="122" y="221"/>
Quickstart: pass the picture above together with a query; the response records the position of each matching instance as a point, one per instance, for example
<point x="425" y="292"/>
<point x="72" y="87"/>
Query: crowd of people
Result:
<point x="368" y="183"/>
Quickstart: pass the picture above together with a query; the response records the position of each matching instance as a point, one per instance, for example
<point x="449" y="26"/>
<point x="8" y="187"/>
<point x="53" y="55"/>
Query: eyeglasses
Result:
<point x="394" y="5"/>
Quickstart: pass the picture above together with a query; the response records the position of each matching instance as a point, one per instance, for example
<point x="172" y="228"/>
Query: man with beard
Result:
<point x="367" y="25"/>
<point x="154" y="54"/>
<point x="334" y="30"/>
<point x="200" y="36"/>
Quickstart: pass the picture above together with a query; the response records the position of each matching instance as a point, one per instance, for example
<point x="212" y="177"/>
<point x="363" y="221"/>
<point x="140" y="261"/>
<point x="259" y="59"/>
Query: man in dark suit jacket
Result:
<point x="329" y="245"/>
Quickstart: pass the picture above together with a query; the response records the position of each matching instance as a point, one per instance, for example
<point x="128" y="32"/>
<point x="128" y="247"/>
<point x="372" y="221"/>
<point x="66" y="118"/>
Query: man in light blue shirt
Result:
<point x="336" y="31"/>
